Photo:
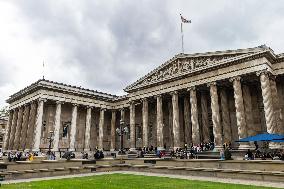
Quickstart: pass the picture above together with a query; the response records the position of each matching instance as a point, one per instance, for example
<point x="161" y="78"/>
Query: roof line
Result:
<point x="214" y="53"/>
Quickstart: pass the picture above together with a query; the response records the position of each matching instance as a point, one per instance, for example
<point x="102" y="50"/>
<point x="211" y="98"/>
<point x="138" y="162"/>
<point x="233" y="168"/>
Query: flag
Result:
<point x="184" y="20"/>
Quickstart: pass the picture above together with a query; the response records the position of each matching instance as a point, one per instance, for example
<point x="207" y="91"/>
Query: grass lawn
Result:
<point x="125" y="181"/>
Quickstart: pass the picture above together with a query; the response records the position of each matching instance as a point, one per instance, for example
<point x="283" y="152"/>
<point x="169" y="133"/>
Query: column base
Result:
<point x="274" y="145"/>
<point x="161" y="148"/>
<point x="112" y="150"/>
<point x="54" y="149"/>
<point x="218" y="148"/>
<point x="35" y="150"/>
<point x="176" y="148"/>
<point x="246" y="147"/>
<point x="132" y="150"/>
<point x="71" y="149"/>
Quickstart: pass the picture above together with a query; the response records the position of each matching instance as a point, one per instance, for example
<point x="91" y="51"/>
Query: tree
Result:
<point x="4" y="111"/>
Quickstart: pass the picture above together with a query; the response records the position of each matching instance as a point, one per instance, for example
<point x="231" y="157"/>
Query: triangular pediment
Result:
<point x="184" y="64"/>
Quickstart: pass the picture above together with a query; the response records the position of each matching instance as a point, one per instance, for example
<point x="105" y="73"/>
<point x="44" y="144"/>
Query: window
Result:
<point x="128" y="134"/>
<point x="65" y="129"/>
<point x="150" y="131"/>
<point x="43" y="129"/>
<point x="138" y="131"/>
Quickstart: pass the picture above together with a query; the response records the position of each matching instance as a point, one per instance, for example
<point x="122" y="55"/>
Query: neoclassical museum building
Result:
<point x="217" y="96"/>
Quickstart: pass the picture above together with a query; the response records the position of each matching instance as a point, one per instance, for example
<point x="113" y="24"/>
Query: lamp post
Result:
<point x="50" y="139"/>
<point x="121" y="131"/>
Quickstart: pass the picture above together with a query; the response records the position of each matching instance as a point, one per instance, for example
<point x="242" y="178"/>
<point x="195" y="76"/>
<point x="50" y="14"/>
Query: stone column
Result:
<point x="18" y="128"/>
<point x="57" y="123"/>
<point x="267" y="101"/>
<point x="194" y="117"/>
<point x="187" y="124"/>
<point x="31" y="126"/>
<point x="73" y="128"/>
<point x="88" y="129"/>
<point x="240" y="110"/>
<point x="176" y="126"/>
<point x="13" y="129"/>
<point x="22" y="143"/>
<point x="276" y="105"/>
<point x="248" y="111"/>
<point x="160" y="125"/>
<point x="122" y="118"/>
<point x="112" y="132"/>
<point x="205" y="118"/>
<point x="38" y="125"/>
<point x="227" y="132"/>
<point x="170" y="107"/>
<point x="101" y="129"/>
<point x="8" y="130"/>
<point x="217" y="129"/>
<point x="132" y="126"/>
<point x="145" y="119"/>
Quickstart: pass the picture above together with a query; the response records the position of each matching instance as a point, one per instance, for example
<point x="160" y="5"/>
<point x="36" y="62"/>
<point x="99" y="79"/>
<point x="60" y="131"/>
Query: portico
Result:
<point x="193" y="98"/>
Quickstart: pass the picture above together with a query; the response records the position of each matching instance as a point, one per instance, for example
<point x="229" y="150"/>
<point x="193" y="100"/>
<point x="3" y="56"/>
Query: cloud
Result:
<point x="107" y="45"/>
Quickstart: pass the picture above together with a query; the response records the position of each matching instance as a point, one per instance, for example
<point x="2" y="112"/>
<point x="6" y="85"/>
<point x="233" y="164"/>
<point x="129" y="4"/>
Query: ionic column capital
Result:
<point x="174" y="93"/>
<point x="27" y="104"/>
<point x="42" y="100"/>
<point x="211" y="83"/>
<point x="236" y="78"/>
<point x="90" y="107"/>
<point x="131" y="103"/>
<point x="264" y="72"/>
<point x="193" y="88"/>
<point x="144" y="99"/>
<point x="272" y="77"/>
<point x="158" y="96"/>
<point x="59" y="102"/>
<point x="75" y="104"/>
<point x="103" y="109"/>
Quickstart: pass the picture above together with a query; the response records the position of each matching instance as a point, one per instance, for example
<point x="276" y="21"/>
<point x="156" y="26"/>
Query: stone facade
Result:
<point x="3" y="132"/>
<point x="192" y="98"/>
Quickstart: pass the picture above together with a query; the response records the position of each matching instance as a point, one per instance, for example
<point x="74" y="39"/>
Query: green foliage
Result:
<point x="4" y="111"/>
<point x="125" y="181"/>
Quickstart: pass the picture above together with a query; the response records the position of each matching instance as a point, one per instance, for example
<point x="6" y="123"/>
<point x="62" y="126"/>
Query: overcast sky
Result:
<point x="107" y="45"/>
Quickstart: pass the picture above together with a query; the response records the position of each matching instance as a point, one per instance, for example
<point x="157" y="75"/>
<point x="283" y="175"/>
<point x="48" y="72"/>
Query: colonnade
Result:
<point x="25" y="123"/>
<point x="222" y="130"/>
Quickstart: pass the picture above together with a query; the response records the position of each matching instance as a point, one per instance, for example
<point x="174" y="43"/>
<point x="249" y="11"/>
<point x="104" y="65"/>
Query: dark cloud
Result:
<point x="107" y="45"/>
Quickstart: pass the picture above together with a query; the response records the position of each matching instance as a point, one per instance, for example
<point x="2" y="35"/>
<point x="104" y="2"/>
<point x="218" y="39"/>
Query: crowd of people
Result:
<point x="21" y="156"/>
<point x="187" y="152"/>
<point x="182" y="153"/>
<point x="275" y="154"/>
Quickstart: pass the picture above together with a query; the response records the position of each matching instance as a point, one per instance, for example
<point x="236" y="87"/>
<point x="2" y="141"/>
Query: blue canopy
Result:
<point x="263" y="137"/>
<point x="278" y="140"/>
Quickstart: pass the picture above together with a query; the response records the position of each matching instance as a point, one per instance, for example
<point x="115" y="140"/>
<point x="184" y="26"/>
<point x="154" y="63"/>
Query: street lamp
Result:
<point x="121" y="131"/>
<point x="50" y="139"/>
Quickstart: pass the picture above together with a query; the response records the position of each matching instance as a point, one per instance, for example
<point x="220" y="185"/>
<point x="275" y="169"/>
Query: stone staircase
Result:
<point x="233" y="169"/>
<point x="45" y="168"/>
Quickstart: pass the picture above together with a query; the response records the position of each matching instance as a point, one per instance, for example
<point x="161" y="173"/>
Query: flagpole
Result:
<point x="43" y="69"/>
<point x="182" y="48"/>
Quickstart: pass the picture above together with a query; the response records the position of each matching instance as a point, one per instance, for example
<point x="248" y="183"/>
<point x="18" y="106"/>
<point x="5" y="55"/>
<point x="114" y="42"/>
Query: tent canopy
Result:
<point x="263" y="137"/>
<point x="278" y="140"/>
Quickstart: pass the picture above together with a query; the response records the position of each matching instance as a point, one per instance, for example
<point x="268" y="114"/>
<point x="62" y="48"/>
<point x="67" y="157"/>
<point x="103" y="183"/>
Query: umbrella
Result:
<point x="278" y="140"/>
<point x="262" y="137"/>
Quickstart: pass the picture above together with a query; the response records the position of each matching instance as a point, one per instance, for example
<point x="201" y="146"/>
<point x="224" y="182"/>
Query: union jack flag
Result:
<point x="184" y="20"/>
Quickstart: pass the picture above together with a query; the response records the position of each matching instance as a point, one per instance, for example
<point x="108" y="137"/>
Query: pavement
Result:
<point x="210" y="179"/>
